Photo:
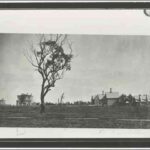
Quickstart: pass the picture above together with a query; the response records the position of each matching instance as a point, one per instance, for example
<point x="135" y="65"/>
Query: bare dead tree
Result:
<point x="50" y="60"/>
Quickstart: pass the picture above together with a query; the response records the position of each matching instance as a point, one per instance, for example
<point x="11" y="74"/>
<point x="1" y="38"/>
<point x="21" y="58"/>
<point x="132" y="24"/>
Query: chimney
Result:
<point x="110" y="90"/>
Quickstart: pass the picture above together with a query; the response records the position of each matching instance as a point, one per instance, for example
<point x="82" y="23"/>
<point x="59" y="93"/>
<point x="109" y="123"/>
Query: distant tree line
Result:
<point x="122" y="100"/>
<point x="80" y="102"/>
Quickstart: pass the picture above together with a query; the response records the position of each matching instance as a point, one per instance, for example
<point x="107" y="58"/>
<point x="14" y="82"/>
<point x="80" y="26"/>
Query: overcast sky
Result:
<point x="100" y="62"/>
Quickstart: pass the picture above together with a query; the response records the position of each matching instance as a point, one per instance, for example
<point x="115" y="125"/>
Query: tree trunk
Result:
<point x="42" y="104"/>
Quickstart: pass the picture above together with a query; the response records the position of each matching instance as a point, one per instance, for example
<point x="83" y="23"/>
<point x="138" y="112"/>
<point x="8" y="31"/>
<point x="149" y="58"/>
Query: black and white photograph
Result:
<point x="75" y="81"/>
<point x="65" y="71"/>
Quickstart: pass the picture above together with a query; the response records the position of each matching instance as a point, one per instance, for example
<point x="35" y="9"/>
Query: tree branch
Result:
<point x="50" y="60"/>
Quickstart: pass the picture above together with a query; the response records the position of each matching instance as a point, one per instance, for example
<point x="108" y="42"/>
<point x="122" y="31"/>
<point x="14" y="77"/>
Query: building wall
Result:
<point x="25" y="102"/>
<point x="110" y="102"/>
<point x="97" y="102"/>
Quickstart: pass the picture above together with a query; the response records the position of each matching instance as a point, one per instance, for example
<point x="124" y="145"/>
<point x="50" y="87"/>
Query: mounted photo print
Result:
<point x="74" y="73"/>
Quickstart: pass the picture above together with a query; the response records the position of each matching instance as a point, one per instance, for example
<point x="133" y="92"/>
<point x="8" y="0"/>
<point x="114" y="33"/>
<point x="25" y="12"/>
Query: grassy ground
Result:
<point x="76" y="116"/>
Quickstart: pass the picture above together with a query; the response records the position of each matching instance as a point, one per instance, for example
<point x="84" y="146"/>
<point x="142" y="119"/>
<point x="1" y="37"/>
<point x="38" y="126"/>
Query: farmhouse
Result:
<point x="24" y="100"/>
<point x="112" y="97"/>
<point x="108" y="98"/>
<point x="2" y="102"/>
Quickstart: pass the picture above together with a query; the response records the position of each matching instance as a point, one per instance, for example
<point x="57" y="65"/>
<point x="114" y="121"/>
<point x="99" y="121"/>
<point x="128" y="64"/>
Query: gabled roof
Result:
<point x="112" y="95"/>
<point x="99" y="96"/>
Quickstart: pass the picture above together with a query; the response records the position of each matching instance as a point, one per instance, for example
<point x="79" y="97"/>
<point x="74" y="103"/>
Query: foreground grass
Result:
<point x="76" y="116"/>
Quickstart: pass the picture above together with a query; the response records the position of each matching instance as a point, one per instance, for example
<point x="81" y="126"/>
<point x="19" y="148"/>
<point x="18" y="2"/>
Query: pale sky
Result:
<point x="100" y="62"/>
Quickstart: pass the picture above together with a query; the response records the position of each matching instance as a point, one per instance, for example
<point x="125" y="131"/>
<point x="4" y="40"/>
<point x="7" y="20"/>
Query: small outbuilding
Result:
<point x="142" y="99"/>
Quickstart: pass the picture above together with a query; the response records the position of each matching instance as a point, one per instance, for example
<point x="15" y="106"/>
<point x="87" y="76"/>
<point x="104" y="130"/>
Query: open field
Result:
<point x="76" y="116"/>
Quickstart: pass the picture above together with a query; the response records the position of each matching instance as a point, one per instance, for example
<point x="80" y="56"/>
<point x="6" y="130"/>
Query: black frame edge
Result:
<point x="76" y="143"/>
<point x="75" y="5"/>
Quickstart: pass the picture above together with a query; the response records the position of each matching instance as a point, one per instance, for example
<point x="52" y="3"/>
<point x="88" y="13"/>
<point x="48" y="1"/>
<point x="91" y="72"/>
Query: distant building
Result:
<point x="2" y="102"/>
<point x="142" y="99"/>
<point x="108" y="98"/>
<point x="24" y="100"/>
<point x="112" y="97"/>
